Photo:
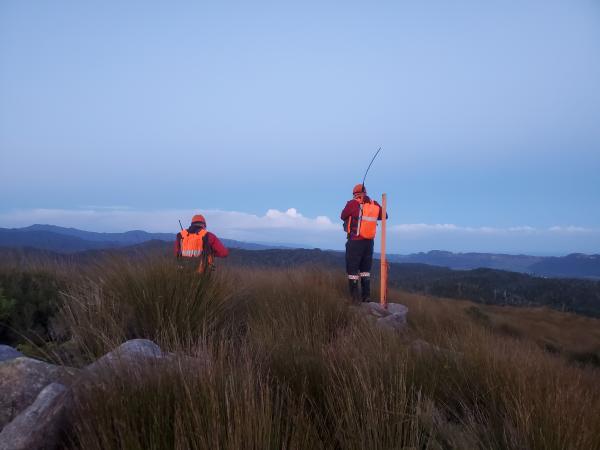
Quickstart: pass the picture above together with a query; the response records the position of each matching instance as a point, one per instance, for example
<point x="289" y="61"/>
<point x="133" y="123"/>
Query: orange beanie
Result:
<point x="359" y="188"/>
<point x="198" y="218"/>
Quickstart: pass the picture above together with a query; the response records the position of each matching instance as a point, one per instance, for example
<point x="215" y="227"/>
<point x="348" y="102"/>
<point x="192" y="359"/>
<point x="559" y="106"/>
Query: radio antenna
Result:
<point x="365" y="177"/>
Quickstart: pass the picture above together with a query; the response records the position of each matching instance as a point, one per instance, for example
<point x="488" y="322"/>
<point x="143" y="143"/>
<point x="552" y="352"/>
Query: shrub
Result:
<point x="29" y="300"/>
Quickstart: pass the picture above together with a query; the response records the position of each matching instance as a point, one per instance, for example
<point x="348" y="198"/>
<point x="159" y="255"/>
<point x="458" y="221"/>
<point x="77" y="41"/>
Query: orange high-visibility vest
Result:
<point x="192" y="244"/>
<point x="367" y="220"/>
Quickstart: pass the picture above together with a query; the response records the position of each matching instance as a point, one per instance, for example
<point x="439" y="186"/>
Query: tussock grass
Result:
<point x="280" y="359"/>
<point x="154" y="299"/>
<point x="225" y="403"/>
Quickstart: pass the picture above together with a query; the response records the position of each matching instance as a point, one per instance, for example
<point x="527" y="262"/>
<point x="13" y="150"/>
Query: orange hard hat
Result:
<point x="198" y="218"/>
<point x="359" y="188"/>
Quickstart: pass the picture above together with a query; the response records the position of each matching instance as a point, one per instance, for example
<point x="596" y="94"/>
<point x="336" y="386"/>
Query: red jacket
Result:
<point x="351" y="212"/>
<point x="217" y="247"/>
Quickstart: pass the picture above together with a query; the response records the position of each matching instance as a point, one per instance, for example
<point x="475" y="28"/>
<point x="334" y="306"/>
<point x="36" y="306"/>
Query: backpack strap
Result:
<point x="206" y="262"/>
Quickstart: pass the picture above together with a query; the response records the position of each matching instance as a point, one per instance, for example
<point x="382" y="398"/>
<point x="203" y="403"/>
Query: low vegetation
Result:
<point x="276" y="358"/>
<point x="498" y="287"/>
<point x="29" y="301"/>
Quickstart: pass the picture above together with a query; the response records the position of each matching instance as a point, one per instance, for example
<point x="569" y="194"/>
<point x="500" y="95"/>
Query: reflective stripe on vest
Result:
<point x="192" y="244"/>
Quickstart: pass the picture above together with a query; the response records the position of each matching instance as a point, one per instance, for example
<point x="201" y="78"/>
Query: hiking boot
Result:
<point x="365" y="288"/>
<point x="354" y="294"/>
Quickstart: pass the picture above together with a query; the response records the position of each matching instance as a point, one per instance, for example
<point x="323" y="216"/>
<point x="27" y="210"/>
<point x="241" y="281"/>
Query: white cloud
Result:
<point x="123" y="219"/>
<point x="422" y="227"/>
<point x="570" y="229"/>
<point x="523" y="228"/>
<point x="452" y="228"/>
<point x="288" y="219"/>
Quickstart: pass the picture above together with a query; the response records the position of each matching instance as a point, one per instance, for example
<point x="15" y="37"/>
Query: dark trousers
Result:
<point x="359" y="259"/>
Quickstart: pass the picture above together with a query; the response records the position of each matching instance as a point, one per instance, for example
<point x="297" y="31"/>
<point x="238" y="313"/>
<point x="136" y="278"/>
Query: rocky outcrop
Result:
<point x="7" y="352"/>
<point x="22" y="379"/>
<point x="394" y="317"/>
<point x="35" y="396"/>
<point x="38" y="426"/>
<point x="131" y="352"/>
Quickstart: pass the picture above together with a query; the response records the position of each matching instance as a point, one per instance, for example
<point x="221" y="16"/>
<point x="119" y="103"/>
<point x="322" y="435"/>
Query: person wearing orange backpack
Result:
<point x="360" y="218"/>
<point x="197" y="244"/>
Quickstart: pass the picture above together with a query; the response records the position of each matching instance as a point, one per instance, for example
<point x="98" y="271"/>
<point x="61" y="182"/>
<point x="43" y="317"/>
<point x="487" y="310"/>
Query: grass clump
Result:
<point x="154" y="299"/>
<point x="222" y="402"/>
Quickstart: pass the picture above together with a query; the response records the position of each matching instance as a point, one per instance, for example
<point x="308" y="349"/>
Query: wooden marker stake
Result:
<point x="383" y="287"/>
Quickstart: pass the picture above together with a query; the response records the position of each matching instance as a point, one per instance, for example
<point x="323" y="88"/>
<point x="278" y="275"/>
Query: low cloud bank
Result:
<point x="292" y="227"/>
<point x="451" y="228"/>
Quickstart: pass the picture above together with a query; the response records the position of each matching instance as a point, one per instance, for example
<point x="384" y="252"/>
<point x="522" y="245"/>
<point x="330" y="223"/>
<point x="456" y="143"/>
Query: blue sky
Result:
<point x="120" y="115"/>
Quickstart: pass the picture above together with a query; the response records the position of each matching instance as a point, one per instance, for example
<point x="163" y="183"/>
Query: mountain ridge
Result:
<point x="71" y="240"/>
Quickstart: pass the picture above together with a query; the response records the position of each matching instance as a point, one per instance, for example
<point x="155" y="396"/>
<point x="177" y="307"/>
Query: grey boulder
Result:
<point x="130" y="352"/>
<point x="22" y="379"/>
<point x="394" y="317"/>
<point x="374" y="309"/>
<point x="396" y="320"/>
<point x="7" y="352"/>
<point x="39" y="426"/>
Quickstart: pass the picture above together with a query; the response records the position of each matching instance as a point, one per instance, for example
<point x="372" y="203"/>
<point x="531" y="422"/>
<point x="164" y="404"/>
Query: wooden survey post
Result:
<point x="383" y="277"/>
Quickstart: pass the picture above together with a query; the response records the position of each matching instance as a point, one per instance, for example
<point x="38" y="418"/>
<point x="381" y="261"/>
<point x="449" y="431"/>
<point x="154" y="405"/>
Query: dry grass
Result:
<point x="572" y="336"/>
<point x="292" y="365"/>
<point x="155" y="299"/>
<point x="224" y="402"/>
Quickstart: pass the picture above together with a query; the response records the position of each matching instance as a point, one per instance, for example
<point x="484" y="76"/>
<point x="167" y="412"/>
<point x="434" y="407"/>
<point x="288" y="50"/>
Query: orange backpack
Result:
<point x="192" y="244"/>
<point x="367" y="220"/>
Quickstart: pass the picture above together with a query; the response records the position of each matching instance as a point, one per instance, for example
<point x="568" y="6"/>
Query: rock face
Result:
<point x="7" y="352"/>
<point x="38" y="427"/>
<point x="394" y="317"/>
<point x="130" y="352"/>
<point x="21" y="380"/>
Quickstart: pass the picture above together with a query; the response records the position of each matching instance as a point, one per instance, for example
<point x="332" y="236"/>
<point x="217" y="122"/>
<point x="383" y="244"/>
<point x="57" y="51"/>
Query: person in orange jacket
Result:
<point x="196" y="243"/>
<point x="360" y="217"/>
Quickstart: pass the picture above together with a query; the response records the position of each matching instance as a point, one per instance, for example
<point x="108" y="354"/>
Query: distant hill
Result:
<point x="126" y="238"/>
<point x="463" y="261"/>
<point x="70" y="240"/>
<point x="576" y="265"/>
<point x="48" y="240"/>
<point x="499" y="287"/>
